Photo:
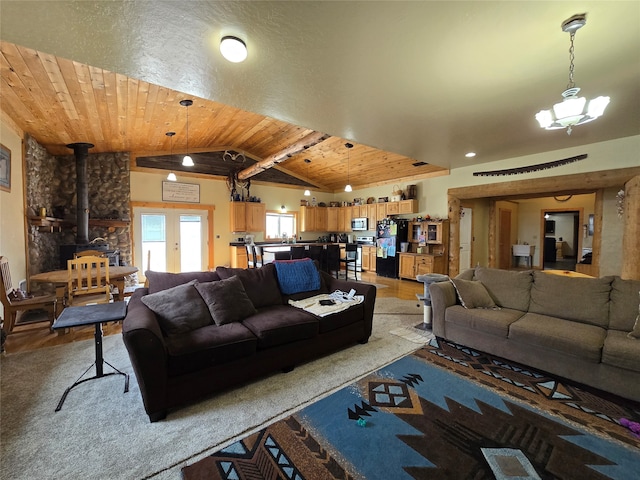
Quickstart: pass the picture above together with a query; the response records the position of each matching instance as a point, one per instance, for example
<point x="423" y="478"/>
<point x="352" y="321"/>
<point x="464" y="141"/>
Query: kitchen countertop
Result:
<point x="303" y="244"/>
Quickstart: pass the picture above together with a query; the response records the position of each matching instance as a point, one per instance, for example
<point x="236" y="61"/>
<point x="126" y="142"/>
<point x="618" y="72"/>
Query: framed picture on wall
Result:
<point x="5" y="168"/>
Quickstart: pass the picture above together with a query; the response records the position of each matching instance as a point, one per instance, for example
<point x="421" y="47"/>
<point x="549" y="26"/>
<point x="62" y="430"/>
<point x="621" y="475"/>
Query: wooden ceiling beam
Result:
<point x="279" y="157"/>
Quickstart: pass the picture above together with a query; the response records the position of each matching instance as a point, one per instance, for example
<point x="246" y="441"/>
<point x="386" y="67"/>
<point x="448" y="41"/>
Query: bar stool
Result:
<point x="349" y="260"/>
<point x="298" y="252"/>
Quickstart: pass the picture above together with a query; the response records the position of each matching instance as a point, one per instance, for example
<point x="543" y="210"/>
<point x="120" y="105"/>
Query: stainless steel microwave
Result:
<point x="358" y="224"/>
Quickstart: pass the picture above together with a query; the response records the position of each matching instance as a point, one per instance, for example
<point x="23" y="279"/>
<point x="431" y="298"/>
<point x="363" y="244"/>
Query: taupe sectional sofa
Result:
<point x="576" y="328"/>
<point x="184" y="356"/>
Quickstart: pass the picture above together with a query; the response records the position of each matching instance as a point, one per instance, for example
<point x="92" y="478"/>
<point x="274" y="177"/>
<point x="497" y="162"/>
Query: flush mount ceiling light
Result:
<point x="172" y="176"/>
<point x="187" y="161"/>
<point x="348" y="188"/>
<point x="307" y="192"/>
<point x="573" y="110"/>
<point x="233" y="49"/>
<point x="470" y="154"/>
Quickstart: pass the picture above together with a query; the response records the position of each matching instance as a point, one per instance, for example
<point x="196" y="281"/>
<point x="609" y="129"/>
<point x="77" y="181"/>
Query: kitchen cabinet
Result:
<point x="332" y="219"/>
<point x="393" y="208"/>
<point x="344" y="219"/>
<point x="238" y="257"/>
<point x="369" y="258"/>
<point x="381" y="211"/>
<point x="313" y="219"/>
<point x="408" y="206"/>
<point x="413" y="264"/>
<point x="247" y="217"/>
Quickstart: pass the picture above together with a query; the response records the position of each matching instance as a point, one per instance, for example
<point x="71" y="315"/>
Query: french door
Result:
<point x="170" y="240"/>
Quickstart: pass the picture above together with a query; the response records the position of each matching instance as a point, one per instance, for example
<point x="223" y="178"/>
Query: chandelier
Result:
<point x="573" y="110"/>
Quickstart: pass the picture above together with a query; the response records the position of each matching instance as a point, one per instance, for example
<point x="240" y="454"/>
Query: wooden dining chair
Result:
<point x="88" y="281"/>
<point x="15" y="301"/>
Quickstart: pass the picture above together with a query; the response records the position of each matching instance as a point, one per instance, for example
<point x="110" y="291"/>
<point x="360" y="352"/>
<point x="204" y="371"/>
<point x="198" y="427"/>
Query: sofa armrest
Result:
<point x="443" y="296"/>
<point x="366" y="289"/>
<point x="147" y="351"/>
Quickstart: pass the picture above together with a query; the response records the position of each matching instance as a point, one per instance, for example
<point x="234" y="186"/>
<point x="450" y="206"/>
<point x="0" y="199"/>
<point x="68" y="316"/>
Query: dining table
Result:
<point x="60" y="279"/>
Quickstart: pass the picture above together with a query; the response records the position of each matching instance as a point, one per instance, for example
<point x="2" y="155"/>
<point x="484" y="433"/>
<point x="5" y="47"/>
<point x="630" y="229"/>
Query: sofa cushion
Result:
<point x="162" y="280"/>
<point x="227" y="300"/>
<point x="635" y="332"/>
<point x="571" y="338"/>
<point x="281" y="324"/>
<point x="472" y="294"/>
<point x="260" y="284"/>
<point x="178" y="309"/>
<point x="623" y="308"/>
<point x="584" y="300"/>
<point x="207" y="346"/>
<point x="296" y="276"/>
<point x="493" y="322"/>
<point x="507" y="288"/>
<point x="341" y="319"/>
<point x="621" y="351"/>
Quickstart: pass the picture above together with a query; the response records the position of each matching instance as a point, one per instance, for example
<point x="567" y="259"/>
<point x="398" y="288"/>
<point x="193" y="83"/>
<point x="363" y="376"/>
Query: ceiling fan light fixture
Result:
<point x="573" y="110"/>
<point x="233" y="49"/>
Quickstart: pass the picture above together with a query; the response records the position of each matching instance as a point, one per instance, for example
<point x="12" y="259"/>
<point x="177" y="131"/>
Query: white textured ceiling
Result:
<point x="429" y="80"/>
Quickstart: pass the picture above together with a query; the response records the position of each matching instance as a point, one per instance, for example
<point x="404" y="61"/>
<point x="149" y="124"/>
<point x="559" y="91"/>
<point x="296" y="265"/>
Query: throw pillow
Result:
<point x="163" y="280"/>
<point x="295" y="276"/>
<point x="227" y="300"/>
<point x="635" y="333"/>
<point x="179" y="309"/>
<point x="260" y="284"/>
<point x="473" y="294"/>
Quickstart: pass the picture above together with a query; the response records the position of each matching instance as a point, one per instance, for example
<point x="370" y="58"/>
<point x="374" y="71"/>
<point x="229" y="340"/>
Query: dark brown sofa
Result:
<point x="175" y="368"/>
<point x="576" y="328"/>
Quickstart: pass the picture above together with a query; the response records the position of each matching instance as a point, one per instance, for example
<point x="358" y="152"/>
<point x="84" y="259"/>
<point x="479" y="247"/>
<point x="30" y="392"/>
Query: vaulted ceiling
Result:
<point x="413" y="85"/>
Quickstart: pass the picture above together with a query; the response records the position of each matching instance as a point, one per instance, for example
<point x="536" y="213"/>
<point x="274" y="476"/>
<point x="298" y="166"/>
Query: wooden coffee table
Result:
<point x="95" y="314"/>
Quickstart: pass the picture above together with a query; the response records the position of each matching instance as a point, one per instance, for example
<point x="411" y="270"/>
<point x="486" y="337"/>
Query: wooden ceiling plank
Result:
<point x="28" y="86"/>
<point x="56" y="78"/>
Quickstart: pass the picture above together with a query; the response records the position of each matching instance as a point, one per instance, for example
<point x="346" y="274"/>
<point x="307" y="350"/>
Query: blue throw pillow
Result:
<point x="295" y="276"/>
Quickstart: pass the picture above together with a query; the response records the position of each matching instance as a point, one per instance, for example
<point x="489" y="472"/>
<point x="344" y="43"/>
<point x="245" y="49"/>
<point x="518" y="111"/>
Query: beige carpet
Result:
<point x="103" y="433"/>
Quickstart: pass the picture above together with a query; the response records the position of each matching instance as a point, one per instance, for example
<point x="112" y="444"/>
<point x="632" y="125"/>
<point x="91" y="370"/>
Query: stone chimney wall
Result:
<point x="51" y="183"/>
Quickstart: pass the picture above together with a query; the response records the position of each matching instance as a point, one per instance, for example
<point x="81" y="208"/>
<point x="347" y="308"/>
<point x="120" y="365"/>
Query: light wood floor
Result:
<point x="31" y="337"/>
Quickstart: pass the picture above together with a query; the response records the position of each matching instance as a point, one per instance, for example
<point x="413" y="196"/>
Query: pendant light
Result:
<point x="307" y="192"/>
<point x="187" y="161"/>
<point x="172" y="176"/>
<point x="573" y="110"/>
<point x="348" y="188"/>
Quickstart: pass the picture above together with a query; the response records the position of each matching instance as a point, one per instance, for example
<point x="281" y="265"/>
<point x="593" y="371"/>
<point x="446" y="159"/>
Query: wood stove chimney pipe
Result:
<point x="81" y="152"/>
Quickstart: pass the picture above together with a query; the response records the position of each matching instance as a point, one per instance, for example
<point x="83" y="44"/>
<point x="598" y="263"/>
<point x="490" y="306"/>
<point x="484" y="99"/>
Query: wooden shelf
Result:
<point x="52" y="224"/>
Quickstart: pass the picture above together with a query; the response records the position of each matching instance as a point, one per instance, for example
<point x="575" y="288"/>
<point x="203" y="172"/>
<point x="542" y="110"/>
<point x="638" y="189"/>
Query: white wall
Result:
<point x="12" y="235"/>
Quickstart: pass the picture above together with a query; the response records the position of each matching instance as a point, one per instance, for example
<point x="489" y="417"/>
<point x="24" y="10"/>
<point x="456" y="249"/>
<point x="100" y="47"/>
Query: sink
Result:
<point x="523" y="250"/>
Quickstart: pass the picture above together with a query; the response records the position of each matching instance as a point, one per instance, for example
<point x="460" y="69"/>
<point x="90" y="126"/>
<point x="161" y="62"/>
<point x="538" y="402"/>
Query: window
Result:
<point x="281" y="225"/>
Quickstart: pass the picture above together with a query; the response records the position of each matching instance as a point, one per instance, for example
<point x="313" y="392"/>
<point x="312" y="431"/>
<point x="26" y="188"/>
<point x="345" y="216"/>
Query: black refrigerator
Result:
<point x="389" y="234"/>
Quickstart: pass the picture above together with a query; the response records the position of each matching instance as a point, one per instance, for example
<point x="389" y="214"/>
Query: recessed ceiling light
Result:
<point x="233" y="49"/>
<point x="470" y="154"/>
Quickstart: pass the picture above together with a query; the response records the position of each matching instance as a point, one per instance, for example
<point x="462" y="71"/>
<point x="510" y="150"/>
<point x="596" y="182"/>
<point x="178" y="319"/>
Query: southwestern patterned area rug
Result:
<point x="444" y="412"/>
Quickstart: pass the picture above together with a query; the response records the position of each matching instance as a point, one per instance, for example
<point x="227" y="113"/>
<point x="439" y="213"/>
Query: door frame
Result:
<point x="210" y="209"/>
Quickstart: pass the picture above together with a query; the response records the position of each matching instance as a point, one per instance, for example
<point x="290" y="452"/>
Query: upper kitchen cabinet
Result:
<point x="247" y="216"/>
